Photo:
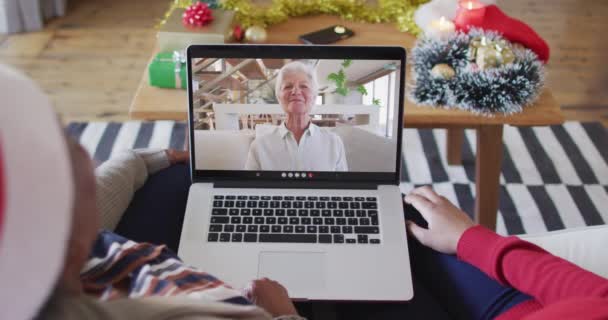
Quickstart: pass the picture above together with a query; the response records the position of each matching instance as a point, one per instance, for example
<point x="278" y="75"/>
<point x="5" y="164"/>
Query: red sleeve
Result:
<point x="527" y="267"/>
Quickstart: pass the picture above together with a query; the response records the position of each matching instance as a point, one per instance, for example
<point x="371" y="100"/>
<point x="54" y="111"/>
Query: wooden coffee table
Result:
<point x="152" y="103"/>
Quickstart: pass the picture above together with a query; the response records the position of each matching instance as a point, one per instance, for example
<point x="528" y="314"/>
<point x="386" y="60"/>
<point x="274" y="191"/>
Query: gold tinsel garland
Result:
<point x="248" y="14"/>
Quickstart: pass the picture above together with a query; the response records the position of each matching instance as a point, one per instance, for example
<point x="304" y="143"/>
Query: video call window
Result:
<point x="304" y="115"/>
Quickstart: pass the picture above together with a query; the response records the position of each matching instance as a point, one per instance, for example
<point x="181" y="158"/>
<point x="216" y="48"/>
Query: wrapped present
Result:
<point x="174" y="35"/>
<point x="168" y="70"/>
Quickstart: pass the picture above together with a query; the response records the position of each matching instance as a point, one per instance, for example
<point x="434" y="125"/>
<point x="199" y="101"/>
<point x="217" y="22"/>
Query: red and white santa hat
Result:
<point x="36" y="196"/>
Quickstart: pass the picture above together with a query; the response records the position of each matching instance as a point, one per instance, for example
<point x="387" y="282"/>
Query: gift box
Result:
<point x="173" y="35"/>
<point x="168" y="70"/>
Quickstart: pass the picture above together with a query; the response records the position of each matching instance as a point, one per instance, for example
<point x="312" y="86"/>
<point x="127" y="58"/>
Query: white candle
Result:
<point x="441" y="28"/>
<point x="472" y="4"/>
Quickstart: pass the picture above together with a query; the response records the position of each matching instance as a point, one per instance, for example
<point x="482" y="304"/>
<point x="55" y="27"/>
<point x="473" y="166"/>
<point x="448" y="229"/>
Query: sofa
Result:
<point x="228" y="149"/>
<point x="582" y="246"/>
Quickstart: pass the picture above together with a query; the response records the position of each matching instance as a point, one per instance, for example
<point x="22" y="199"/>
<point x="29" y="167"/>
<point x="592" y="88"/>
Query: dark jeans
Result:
<point x="444" y="287"/>
<point x="156" y="213"/>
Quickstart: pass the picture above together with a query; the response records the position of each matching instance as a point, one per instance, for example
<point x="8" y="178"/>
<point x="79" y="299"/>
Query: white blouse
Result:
<point x="319" y="150"/>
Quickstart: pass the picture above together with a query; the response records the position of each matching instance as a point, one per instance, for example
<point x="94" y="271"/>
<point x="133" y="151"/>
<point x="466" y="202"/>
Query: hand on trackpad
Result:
<point x="302" y="273"/>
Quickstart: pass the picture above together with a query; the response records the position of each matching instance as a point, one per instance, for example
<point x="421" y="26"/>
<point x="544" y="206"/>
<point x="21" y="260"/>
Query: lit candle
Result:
<point x="470" y="12"/>
<point x="441" y="28"/>
<point x="471" y="4"/>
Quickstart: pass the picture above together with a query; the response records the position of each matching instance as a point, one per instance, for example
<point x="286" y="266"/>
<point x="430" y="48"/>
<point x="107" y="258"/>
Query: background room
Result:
<point x="235" y="102"/>
<point x="94" y="60"/>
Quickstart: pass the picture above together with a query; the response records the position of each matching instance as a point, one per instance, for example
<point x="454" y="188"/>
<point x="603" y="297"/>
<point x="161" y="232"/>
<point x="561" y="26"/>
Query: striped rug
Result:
<point x="552" y="177"/>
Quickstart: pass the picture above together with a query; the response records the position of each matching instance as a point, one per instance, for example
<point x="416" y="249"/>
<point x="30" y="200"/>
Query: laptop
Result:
<point x="298" y="182"/>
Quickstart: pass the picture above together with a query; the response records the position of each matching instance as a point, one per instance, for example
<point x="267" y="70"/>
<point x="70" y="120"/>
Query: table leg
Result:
<point x="454" y="145"/>
<point x="487" y="176"/>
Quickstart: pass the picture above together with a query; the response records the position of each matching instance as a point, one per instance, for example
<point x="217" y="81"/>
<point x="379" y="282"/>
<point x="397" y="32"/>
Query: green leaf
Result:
<point x="376" y="102"/>
<point x="340" y="80"/>
<point x="347" y="63"/>
<point x="362" y="90"/>
<point x="333" y="77"/>
<point x="342" y="91"/>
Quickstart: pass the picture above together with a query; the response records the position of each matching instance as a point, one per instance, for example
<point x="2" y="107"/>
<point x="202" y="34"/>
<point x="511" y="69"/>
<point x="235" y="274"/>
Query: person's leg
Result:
<point x="464" y="291"/>
<point x="422" y="306"/>
<point x="156" y="212"/>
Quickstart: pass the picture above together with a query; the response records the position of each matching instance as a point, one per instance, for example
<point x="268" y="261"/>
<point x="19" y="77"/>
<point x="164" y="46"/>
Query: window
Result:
<point x="319" y="100"/>
<point x="382" y="90"/>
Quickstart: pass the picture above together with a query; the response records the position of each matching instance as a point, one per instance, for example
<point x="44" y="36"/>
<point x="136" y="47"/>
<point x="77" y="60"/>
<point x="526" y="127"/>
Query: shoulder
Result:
<point x="267" y="134"/>
<point x="324" y="131"/>
<point x="329" y="135"/>
<point x="264" y="138"/>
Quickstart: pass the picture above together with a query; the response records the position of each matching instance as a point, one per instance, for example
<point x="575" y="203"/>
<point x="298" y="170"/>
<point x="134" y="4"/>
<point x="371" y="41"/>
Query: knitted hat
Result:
<point x="36" y="196"/>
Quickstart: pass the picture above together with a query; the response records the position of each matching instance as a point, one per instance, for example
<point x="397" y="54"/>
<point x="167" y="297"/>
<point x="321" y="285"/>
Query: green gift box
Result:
<point x="168" y="70"/>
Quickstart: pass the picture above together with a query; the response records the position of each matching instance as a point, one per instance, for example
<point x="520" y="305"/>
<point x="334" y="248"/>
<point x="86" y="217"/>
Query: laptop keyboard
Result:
<point x="294" y="219"/>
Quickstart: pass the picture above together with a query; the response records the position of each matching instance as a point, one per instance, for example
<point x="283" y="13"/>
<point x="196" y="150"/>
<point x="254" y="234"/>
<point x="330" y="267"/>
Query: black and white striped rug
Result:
<point x="552" y="177"/>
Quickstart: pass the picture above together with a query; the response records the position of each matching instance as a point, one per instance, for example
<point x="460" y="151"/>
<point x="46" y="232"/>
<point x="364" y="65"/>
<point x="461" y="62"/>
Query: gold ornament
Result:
<point x="443" y="71"/>
<point x="256" y="34"/>
<point x="488" y="53"/>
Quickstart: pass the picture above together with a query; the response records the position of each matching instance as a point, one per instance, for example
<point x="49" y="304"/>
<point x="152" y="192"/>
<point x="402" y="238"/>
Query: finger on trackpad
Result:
<point x="302" y="273"/>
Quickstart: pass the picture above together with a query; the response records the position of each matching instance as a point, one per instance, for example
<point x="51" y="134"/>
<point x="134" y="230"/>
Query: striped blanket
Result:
<point x="120" y="268"/>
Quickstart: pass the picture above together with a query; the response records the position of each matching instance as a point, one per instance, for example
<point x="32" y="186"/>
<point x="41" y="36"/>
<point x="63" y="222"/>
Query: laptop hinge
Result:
<point x="294" y="185"/>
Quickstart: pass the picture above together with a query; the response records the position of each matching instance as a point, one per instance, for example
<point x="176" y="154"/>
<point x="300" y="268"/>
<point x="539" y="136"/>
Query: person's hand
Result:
<point x="446" y="223"/>
<point x="177" y="156"/>
<point x="271" y="296"/>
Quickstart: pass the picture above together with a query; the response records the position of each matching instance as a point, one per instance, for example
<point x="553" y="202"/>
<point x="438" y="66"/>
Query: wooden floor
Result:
<point x="90" y="61"/>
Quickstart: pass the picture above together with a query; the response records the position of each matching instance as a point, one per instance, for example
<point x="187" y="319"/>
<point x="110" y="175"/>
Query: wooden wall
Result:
<point x="578" y="68"/>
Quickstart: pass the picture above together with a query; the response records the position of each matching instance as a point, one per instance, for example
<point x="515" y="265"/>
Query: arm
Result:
<point x="118" y="178"/>
<point x="509" y="260"/>
<point x="252" y="158"/>
<point x="527" y="267"/>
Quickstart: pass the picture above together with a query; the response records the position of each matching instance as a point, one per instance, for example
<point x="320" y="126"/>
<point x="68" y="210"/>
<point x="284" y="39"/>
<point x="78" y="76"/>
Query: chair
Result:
<point x="28" y="15"/>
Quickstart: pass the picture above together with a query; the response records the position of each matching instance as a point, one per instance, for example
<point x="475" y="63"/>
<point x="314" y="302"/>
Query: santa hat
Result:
<point x="36" y="196"/>
<point x="492" y="18"/>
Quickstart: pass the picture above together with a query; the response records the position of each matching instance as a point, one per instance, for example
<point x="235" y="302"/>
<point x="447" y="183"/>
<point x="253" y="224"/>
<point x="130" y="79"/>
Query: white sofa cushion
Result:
<point x="367" y="152"/>
<point x="222" y="149"/>
<point x="582" y="246"/>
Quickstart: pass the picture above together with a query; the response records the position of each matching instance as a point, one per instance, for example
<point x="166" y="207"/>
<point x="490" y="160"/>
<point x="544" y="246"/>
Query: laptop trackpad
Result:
<point x="302" y="273"/>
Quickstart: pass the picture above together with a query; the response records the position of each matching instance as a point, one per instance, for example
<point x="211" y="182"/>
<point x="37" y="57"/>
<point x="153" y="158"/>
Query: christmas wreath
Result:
<point x="479" y="72"/>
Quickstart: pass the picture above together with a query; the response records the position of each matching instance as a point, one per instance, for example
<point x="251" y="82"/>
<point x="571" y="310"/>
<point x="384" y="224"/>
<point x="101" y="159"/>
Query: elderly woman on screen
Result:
<point x="297" y="144"/>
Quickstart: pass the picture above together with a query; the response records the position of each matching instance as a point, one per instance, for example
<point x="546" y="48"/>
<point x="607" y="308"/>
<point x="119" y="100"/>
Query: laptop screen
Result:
<point x="295" y="112"/>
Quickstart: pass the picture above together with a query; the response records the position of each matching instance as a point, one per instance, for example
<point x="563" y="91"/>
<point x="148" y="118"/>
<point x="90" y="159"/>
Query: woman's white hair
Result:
<point x="297" y="66"/>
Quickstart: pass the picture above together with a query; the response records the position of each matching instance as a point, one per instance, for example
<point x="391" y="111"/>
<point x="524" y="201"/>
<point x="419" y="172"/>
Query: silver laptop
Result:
<point x="295" y="163"/>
